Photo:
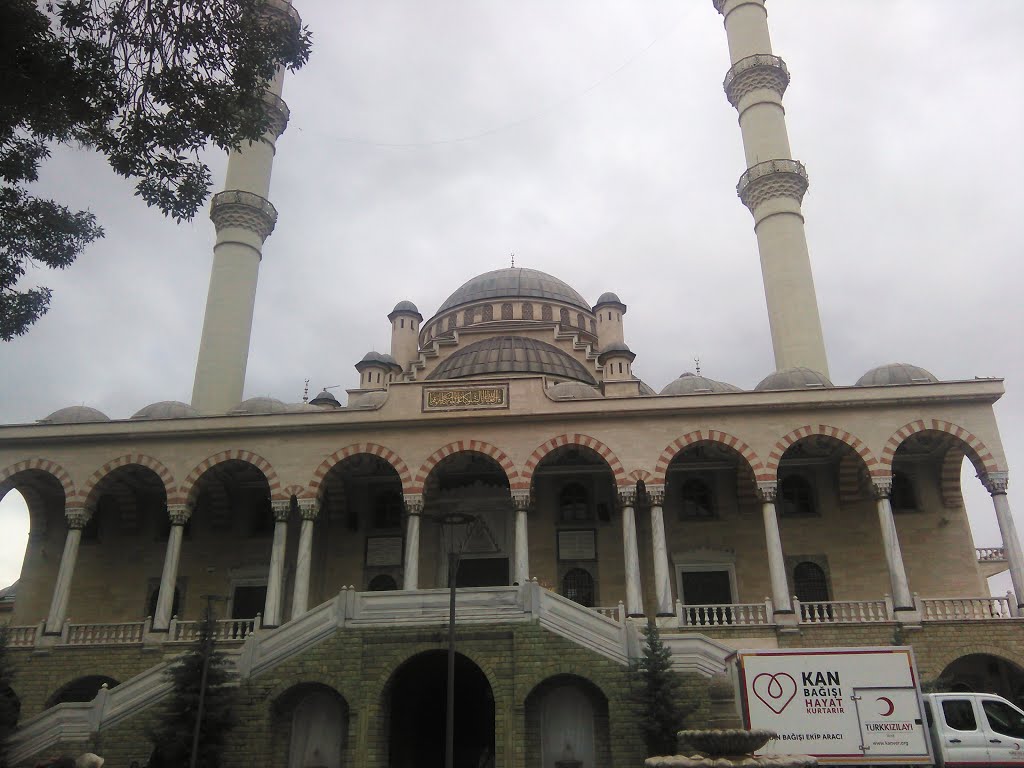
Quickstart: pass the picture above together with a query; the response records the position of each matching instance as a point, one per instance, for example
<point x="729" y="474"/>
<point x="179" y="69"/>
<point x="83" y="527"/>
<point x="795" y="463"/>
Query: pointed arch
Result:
<point x="670" y="451"/>
<point x="392" y="458"/>
<point x="233" y="454"/>
<point x="585" y="441"/>
<point x="979" y="454"/>
<point x="874" y="467"/>
<point x="140" y="459"/>
<point x="43" y="465"/>
<point x="461" y="446"/>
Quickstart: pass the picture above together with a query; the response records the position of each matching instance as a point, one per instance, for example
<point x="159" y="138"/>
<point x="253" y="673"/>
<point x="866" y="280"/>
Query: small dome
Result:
<point x="75" y="414"/>
<point x="608" y="298"/>
<point x="616" y="346"/>
<point x="303" y="407"/>
<point x="692" y="384"/>
<point x="373" y="357"/>
<point x="166" y="409"/>
<point x="573" y="390"/>
<point x="896" y="373"/>
<point x="511" y="354"/>
<point x="259" y="405"/>
<point x="386" y="358"/>
<point x="373" y="399"/>
<point x="405" y="306"/>
<point x="325" y="400"/>
<point x="514" y="283"/>
<point x="793" y="378"/>
<point x="645" y="389"/>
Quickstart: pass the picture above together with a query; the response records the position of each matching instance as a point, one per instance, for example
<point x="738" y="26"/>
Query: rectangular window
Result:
<point x="959" y="714"/>
<point x="706" y="587"/>
<point x="247" y="600"/>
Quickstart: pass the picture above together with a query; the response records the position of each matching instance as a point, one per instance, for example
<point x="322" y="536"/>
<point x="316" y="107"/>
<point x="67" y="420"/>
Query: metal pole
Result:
<point x="449" y="724"/>
<point x="207" y="642"/>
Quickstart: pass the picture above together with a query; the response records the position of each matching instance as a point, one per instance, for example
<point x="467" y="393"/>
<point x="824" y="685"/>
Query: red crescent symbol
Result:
<point x="892" y="707"/>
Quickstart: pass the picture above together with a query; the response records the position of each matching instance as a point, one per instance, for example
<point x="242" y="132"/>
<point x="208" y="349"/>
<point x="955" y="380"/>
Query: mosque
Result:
<point x="504" y="439"/>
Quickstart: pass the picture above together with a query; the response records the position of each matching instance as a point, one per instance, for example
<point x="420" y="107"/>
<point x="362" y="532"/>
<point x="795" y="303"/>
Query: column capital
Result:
<point x="521" y="501"/>
<point x="414" y="503"/>
<point x="768" y="490"/>
<point x="77" y="517"/>
<point x="627" y="497"/>
<point x="282" y="509"/>
<point x="995" y="483"/>
<point x="309" y="508"/>
<point x="882" y="487"/>
<point x="656" y="495"/>
<point x="178" y="514"/>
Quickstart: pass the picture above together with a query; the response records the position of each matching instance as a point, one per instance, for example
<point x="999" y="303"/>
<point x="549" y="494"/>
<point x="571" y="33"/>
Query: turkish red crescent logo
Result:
<point x="888" y="701"/>
<point x="776" y="691"/>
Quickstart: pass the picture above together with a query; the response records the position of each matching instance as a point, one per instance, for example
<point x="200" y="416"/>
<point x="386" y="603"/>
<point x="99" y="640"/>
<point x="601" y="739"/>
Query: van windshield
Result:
<point x="1004" y="719"/>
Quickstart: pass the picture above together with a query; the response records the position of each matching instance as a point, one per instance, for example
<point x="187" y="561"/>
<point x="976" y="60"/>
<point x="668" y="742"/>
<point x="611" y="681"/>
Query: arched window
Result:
<point x="387" y="510"/>
<point x="698" y="500"/>
<point x="451" y="322"/>
<point x="382" y="582"/>
<point x="506" y="311"/>
<point x="527" y="311"/>
<point x="810" y="583"/>
<point x="488" y="312"/>
<point x="903" y="497"/>
<point x="545" y="312"/>
<point x="593" y="327"/>
<point x="580" y="322"/>
<point x="574" y="504"/>
<point x="578" y="586"/>
<point x="797" y="497"/>
<point x="563" y="316"/>
<point x="469" y="317"/>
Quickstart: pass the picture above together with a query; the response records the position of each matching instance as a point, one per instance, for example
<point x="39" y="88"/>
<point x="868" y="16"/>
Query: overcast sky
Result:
<point x="592" y="138"/>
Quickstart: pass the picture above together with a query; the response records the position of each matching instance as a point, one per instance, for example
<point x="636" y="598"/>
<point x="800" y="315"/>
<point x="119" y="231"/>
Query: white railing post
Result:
<point x="1011" y="603"/>
<point x="797" y="610"/>
<point x="890" y="609"/>
<point x="769" y="609"/>
<point x="679" y="613"/>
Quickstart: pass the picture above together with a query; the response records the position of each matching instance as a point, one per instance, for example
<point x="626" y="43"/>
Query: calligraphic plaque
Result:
<point x="465" y="398"/>
<point x="383" y="550"/>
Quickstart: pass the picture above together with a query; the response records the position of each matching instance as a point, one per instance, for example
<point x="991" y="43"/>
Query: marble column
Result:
<point x="996" y="484"/>
<point x="630" y="556"/>
<point x="178" y="514"/>
<point x="413" y="508"/>
<point x="521" y="504"/>
<point x="768" y="492"/>
<point x="901" y="597"/>
<point x="76" y="517"/>
<point x="272" y="612"/>
<point x="659" y="546"/>
<point x="308" y="509"/>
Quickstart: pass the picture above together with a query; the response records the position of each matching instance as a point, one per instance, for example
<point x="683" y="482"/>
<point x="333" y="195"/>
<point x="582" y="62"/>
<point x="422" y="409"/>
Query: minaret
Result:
<point x="405" y="322"/>
<point x="773" y="186"/>
<point x="244" y="218"/>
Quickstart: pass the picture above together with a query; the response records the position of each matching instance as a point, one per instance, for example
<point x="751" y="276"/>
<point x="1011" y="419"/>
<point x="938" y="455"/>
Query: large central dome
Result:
<point x="514" y="282"/>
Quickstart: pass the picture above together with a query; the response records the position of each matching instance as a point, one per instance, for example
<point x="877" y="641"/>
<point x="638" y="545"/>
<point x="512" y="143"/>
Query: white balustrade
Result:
<point x="990" y="554"/>
<point x="611" y="611"/>
<point x="725" y="615"/>
<point x="843" y="611"/>
<point x="125" y="633"/>
<point x="967" y="608"/>
<point x="224" y="629"/>
<point x="21" y="637"/>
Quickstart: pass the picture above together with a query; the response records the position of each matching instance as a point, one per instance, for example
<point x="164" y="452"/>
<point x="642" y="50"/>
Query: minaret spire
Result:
<point x="773" y="186"/>
<point x="244" y="219"/>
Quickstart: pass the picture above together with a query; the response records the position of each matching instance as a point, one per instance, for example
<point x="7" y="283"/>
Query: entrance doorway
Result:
<point x="417" y="702"/>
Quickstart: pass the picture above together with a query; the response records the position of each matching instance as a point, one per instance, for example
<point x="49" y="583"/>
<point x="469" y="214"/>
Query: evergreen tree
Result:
<point x="172" y="739"/>
<point x="9" y="705"/>
<point x="657" y="692"/>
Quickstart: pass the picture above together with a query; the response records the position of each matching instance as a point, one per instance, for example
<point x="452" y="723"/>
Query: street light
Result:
<point x="448" y="520"/>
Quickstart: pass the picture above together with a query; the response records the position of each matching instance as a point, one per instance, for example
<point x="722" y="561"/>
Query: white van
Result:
<point x="974" y="729"/>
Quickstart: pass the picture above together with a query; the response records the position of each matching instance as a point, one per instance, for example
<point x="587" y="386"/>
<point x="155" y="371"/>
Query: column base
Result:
<point x="636" y="615"/>
<point x="662" y="615"/>
<point x="910" y="617"/>
<point x="787" y="621"/>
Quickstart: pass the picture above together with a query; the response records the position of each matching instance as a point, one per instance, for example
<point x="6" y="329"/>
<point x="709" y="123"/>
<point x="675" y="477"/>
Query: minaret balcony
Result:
<point x="762" y="70"/>
<point x="238" y="208"/>
<point x="773" y="178"/>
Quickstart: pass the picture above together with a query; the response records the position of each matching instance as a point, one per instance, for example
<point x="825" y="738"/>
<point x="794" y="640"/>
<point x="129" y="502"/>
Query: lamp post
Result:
<point x="448" y="520"/>
<point x="207" y="642"/>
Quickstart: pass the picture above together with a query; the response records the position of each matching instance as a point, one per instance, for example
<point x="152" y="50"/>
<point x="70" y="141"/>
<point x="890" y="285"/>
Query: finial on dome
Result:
<point x="305" y="392"/>
<point x="696" y="362"/>
<point x="513" y="260"/>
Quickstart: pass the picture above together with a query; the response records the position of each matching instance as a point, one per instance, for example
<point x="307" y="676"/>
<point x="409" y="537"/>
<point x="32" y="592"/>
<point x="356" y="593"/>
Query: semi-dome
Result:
<point x="694" y="384"/>
<point x="574" y="390"/>
<point x="75" y="414"/>
<point x="514" y="283"/>
<point x="794" y="378"/>
<point x="896" y="373"/>
<point x="511" y="354"/>
<point x="166" y="409"/>
<point x="608" y="298"/>
<point x="259" y="405"/>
